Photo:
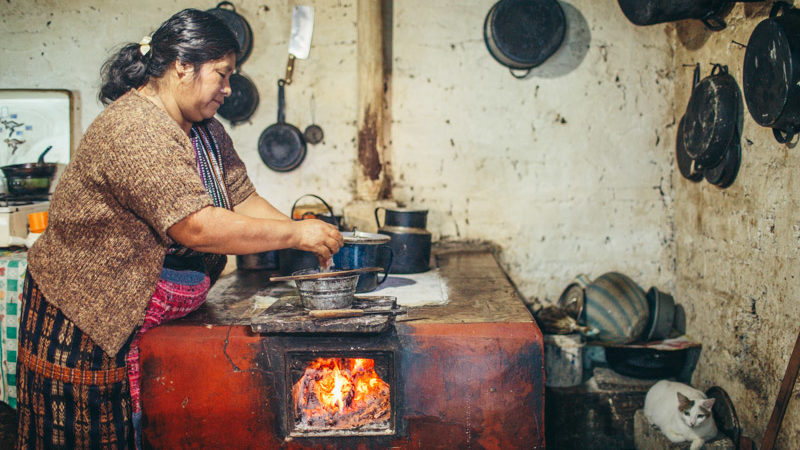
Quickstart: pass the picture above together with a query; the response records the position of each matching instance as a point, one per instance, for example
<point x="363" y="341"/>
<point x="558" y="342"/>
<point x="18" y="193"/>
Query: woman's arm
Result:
<point x="257" y="206"/>
<point x="218" y="230"/>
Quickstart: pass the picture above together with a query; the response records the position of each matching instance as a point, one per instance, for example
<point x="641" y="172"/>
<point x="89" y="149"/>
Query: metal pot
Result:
<point x="258" y="261"/>
<point x="650" y="12"/>
<point x="242" y="102"/>
<point x="326" y="293"/>
<point x="710" y="122"/>
<point x="410" y="241"/>
<point x="29" y="178"/>
<point x="522" y="34"/>
<point x="238" y="26"/>
<point x="771" y="78"/>
<point x="365" y="250"/>
<point x="402" y="217"/>
<point x="291" y="260"/>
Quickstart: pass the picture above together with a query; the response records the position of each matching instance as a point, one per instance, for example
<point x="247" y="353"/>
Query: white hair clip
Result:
<point x="144" y="45"/>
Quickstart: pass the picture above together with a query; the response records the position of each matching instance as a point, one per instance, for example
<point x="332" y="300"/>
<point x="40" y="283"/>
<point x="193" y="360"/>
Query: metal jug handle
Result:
<point x="377" y="221"/>
<point x="330" y="210"/>
<point x="389" y="265"/>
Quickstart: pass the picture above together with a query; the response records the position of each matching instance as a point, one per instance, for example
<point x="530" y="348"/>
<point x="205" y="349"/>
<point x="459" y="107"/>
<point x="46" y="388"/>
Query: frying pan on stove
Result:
<point x="281" y="145"/>
<point x="771" y="72"/>
<point x="711" y="118"/>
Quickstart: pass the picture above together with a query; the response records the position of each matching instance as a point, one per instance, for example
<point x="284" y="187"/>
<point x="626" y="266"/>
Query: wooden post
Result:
<point x="371" y="176"/>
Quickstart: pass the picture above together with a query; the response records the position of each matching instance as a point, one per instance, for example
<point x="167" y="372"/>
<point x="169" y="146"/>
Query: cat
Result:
<point x="681" y="412"/>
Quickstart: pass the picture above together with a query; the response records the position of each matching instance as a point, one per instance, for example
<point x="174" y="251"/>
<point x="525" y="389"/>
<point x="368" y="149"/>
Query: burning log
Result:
<point x="341" y="393"/>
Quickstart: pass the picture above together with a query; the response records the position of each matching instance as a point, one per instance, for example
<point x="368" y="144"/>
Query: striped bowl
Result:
<point x="617" y="308"/>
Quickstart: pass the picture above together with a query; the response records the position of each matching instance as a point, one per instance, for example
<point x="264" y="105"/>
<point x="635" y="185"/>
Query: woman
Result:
<point x="139" y="225"/>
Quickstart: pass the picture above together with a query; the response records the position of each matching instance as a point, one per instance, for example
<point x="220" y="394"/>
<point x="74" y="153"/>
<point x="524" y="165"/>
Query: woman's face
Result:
<point x="201" y="91"/>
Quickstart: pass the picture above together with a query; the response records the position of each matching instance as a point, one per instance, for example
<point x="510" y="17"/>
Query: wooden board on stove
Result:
<point x="287" y="315"/>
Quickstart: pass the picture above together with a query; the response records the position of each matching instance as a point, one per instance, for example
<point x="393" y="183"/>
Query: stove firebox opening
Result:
<point x="341" y="394"/>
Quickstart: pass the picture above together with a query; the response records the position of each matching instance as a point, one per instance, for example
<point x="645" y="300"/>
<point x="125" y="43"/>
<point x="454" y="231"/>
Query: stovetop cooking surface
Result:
<point x="287" y="315"/>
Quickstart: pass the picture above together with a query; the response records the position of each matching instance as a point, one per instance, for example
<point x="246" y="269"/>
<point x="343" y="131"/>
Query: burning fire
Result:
<point x="341" y="393"/>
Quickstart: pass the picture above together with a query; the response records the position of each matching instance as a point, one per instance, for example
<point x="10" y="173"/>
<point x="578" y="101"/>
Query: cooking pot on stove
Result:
<point x="410" y="241"/>
<point x="362" y="249"/>
<point x="291" y="260"/>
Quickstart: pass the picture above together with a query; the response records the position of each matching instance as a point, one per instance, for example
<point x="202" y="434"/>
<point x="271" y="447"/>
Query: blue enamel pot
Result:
<point x="616" y="307"/>
<point x="365" y="250"/>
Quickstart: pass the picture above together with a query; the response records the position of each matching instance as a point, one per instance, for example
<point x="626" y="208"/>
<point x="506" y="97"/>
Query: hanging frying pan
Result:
<point x="771" y="72"/>
<point x="238" y="25"/>
<point x="242" y="102"/>
<point x="282" y="146"/>
<point x="711" y="118"/>
<point x="522" y="34"/>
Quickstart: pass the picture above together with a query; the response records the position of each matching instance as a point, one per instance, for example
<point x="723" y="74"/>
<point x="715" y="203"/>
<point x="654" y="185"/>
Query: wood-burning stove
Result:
<point x="466" y="374"/>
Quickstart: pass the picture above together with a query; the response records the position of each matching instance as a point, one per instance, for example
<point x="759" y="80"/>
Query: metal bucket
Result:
<point x="326" y="293"/>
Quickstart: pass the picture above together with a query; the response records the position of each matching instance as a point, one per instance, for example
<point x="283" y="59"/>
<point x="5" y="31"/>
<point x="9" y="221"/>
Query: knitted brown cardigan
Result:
<point x="133" y="176"/>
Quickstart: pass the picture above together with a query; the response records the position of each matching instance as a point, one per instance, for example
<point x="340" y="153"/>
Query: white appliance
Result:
<point x="14" y="220"/>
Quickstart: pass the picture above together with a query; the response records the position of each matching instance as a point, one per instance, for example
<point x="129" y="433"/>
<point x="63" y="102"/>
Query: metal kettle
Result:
<point x="410" y="241"/>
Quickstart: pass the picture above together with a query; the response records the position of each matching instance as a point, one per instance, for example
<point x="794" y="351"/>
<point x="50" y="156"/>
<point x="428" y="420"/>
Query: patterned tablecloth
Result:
<point x="12" y="277"/>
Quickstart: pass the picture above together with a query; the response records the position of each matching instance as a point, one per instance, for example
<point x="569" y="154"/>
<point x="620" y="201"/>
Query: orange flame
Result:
<point x="339" y="386"/>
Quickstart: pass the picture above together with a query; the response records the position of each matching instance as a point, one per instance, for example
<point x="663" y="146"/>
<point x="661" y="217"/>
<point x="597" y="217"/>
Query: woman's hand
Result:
<point x="323" y="239"/>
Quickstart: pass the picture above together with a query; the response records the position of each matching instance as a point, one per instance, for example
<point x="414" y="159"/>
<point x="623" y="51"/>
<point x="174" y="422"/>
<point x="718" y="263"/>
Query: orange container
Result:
<point x="37" y="222"/>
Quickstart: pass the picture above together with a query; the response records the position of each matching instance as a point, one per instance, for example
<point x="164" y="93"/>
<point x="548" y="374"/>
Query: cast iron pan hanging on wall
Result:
<point x="242" y="102"/>
<point x="711" y="118"/>
<point x="771" y="72"/>
<point x="239" y="27"/>
<point x="282" y="146"/>
<point x="522" y="34"/>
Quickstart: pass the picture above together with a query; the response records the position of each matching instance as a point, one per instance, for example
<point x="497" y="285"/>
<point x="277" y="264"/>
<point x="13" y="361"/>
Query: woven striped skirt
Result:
<point x="70" y="393"/>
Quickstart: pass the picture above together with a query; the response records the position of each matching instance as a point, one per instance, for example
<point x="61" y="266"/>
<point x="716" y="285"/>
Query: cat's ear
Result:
<point x="707" y="404"/>
<point x="684" y="402"/>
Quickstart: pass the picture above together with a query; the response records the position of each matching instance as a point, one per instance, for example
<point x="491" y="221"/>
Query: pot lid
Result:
<point x="360" y="237"/>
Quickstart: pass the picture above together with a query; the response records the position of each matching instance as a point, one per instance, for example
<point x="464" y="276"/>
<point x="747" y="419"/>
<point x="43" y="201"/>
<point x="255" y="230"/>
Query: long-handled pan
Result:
<point x="282" y="146"/>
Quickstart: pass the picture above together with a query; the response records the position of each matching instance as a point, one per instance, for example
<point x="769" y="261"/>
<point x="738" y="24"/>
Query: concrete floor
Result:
<point x="8" y="426"/>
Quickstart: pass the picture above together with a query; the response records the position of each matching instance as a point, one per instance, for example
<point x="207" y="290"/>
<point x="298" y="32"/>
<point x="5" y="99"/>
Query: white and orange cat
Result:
<point x="681" y="412"/>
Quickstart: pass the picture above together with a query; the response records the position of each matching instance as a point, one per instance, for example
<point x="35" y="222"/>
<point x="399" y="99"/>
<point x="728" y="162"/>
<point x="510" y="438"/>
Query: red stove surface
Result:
<point x="467" y="374"/>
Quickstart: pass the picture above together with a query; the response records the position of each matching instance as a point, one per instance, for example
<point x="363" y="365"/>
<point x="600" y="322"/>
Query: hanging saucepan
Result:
<point x="771" y="72"/>
<point x="685" y="162"/>
<point x="238" y="25"/>
<point x="522" y="34"/>
<point x="650" y="12"/>
<point x="711" y="118"/>
<point x="282" y="146"/>
<point x="242" y="102"/>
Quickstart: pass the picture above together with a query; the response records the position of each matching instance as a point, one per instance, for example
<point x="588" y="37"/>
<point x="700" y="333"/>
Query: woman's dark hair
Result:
<point x="190" y="36"/>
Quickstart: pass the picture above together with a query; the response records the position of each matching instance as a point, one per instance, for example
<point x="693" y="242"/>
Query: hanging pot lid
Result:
<point x="522" y="34"/>
<point x="226" y="12"/>
<point x="724" y="174"/>
<point x="360" y="237"/>
<point x="242" y="102"/>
